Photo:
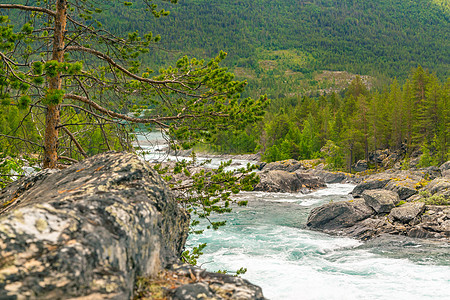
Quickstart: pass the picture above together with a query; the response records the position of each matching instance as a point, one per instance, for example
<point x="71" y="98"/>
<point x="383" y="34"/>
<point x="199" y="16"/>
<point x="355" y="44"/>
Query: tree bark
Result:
<point x="52" y="117"/>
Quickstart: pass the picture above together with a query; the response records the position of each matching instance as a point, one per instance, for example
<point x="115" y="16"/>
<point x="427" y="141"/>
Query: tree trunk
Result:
<point x="52" y="117"/>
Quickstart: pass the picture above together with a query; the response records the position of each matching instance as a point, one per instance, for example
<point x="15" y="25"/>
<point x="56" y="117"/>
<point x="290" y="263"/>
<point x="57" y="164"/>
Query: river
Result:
<point x="269" y="238"/>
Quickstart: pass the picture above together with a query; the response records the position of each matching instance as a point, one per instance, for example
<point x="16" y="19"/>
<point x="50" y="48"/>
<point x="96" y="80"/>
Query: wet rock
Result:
<point x="382" y="201"/>
<point x="407" y="212"/>
<point x="332" y="177"/>
<point x="337" y="215"/>
<point x="285" y="182"/>
<point x="88" y="230"/>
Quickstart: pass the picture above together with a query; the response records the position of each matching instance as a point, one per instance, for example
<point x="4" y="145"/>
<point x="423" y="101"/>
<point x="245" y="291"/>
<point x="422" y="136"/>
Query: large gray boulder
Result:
<point x="402" y="182"/>
<point x="407" y="212"/>
<point x="289" y="165"/>
<point x="331" y="177"/>
<point x="88" y="230"/>
<point x="287" y="182"/>
<point x="382" y="201"/>
<point x="338" y="215"/>
<point x="405" y="188"/>
<point x="207" y="285"/>
<point x="374" y="182"/>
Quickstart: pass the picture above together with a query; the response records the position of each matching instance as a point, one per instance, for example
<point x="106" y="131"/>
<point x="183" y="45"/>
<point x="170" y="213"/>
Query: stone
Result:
<point x="430" y="173"/>
<point x="88" y="230"/>
<point x="360" y="166"/>
<point x="331" y="177"/>
<point x="336" y="215"/>
<point x="382" y="201"/>
<point x="445" y="169"/>
<point x="207" y="285"/>
<point x="405" y="188"/>
<point x="377" y="181"/>
<point x="289" y="165"/>
<point x="439" y="186"/>
<point x="285" y="182"/>
<point x="407" y="212"/>
<point x="445" y="166"/>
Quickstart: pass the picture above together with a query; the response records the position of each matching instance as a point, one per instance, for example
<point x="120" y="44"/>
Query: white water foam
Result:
<point x="291" y="262"/>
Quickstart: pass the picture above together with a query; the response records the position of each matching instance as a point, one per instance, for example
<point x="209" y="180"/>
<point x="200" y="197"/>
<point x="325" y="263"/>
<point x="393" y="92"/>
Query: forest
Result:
<point x="283" y="49"/>
<point x="344" y="127"/>
<point x="279" y="45"/>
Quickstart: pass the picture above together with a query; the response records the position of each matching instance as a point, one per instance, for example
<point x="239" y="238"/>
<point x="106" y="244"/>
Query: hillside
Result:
<point x="279" y="45"/>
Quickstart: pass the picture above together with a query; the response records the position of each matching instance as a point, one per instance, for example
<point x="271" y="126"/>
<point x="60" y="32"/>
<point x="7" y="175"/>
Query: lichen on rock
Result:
<point x="87" y="230"/>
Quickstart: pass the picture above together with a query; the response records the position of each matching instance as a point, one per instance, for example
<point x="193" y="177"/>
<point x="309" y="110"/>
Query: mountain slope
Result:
<point x="386" y="37"/>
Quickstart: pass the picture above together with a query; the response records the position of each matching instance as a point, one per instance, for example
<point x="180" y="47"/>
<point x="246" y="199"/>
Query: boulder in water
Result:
<point x="88" y="231"/>
<point x="338" y="215"/>
<point x="286" y="182"/>
<point x="374" y="182"/>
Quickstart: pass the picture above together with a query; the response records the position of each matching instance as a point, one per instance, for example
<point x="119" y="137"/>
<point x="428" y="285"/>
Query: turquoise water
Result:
<point x="269" y="238"/>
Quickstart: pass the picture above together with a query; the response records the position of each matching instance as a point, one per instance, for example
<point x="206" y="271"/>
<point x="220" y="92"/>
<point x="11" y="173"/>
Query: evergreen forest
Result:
<point x="344" y="77"/>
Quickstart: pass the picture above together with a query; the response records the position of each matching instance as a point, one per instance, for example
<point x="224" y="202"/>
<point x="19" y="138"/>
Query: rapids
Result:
<point x="269" y="238"/>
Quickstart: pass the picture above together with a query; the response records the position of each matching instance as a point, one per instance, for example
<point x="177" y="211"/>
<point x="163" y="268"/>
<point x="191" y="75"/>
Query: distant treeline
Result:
<point x="415" y="116"/>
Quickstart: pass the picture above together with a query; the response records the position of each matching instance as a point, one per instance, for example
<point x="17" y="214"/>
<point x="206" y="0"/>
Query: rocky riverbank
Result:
<point x="414" y="203"/>
<point x="95" y="231"/>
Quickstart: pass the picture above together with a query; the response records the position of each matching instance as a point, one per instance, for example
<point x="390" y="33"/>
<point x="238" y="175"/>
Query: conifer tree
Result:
<point x="57" y="58"/>
<point x="419" y="84"/>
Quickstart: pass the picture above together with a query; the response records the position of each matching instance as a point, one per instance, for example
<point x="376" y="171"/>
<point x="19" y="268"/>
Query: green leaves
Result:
<point x="53" y="68"/>
<point x="204" y="191"/>
<point x="53" y="97"/>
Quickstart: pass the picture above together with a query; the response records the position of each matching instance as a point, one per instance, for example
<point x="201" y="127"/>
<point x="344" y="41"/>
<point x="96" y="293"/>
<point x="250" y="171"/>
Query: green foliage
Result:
<point x="426" y="159"/>
<point x="208" y="191"/>
<point x="433" y="199"/>
<point x="278" y="44"/>
<point x="191" y="257"/>
<point x="400" y="203"/>
<point x="334" y="156"/>
<point x="54" y="97"/>
<point x="98" y="78"/>
<point x="344" y="128"/>
<point x="10" y="169"/>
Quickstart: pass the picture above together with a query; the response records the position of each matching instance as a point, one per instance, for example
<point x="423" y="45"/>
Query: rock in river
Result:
<point x="286" y="182"/>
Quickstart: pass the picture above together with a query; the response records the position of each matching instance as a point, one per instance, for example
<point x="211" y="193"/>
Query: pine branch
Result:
<point x="28" y="8"/>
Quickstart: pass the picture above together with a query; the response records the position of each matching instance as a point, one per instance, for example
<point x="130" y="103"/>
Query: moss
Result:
<point x="421" y="184"/>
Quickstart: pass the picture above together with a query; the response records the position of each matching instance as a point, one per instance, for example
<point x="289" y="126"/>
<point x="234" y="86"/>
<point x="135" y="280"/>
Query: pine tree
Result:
<point x="396" y="114"/>
<point x="420" y="126"/>
<point x="63" y="62"/>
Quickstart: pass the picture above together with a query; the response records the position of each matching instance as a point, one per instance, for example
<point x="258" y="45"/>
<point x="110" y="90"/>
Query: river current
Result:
<point x="269" y="238"/>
